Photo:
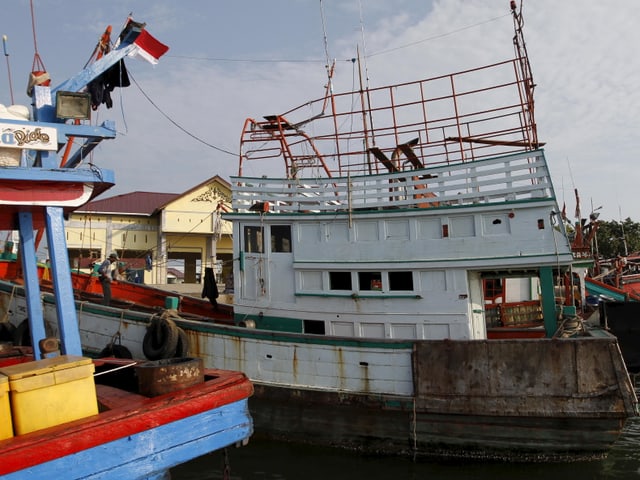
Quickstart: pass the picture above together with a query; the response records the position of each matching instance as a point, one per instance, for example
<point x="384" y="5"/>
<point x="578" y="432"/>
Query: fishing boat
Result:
<point x="370" y="260"/>
<point x="63" y="414"/>
<point x="362" y="274"/>
<point x="605" y="290"/>
<point x="615" y="298"/>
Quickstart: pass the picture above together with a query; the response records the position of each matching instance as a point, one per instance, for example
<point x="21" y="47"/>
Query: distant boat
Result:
<point x="362" y="274"/>
<point x="615" y="296"/>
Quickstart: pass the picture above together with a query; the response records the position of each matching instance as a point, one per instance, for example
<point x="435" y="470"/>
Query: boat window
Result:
<point x="314" y="326"/>
<point x="401" y="281"/>
<point x="253" y="239"/>
<point x="340" y="280"/>
<point x="281" y="238"/>
<point x="370" y="280"/>
<point x="493" y="290"/>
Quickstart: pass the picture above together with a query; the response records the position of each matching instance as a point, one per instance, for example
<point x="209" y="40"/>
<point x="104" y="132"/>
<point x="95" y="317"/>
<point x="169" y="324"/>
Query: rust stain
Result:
<point x="294" y="365"/>
<point x="238" y="354"/>
<point x="340" y="360"/>
<point x="194" y="344"/>
<point x="365" y="376"/>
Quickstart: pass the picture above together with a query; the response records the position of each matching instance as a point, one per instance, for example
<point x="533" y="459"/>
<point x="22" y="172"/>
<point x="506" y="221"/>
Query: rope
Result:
<point x="37" y="61"/>
<point x="415" y="435"/>
<point x="128" y="365"/>
<point x="5" y="317"/>
<point x="226" y="469"/>
<point x="570" y="327"/>
<point x="117" y="334"/>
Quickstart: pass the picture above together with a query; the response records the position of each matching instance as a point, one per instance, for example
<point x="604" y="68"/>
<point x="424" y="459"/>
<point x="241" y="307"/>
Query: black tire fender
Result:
<point x="116" y="351"/>
<point x="22" y="333"/>
<point x="182" y="350"/>
<point x="7" y="331"/>
<point x="161" y="339"/>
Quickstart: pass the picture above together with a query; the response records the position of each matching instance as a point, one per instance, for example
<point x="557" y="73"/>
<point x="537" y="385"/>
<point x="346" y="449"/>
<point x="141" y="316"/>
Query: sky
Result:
<point x="179" y="123"/>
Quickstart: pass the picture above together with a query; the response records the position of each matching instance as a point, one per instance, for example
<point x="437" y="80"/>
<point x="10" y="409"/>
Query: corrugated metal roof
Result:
<point x="134" y="203"/>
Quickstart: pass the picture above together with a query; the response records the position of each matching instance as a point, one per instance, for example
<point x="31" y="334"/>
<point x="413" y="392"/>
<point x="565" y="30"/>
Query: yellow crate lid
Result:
<point x="42" y="367"/>
<point x="4" y="383"/>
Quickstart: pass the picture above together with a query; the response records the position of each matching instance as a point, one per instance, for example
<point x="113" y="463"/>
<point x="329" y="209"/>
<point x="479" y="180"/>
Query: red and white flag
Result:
<point x="148" y="48"/>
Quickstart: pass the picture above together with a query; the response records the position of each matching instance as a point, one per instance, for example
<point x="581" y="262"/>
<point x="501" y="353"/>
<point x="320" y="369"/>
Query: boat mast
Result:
<point x="525" y="73"/>
<point x="330" y="66"/>
<point x="365" y="109"/>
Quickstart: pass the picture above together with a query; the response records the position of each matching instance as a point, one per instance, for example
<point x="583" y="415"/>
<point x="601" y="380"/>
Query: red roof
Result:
<point x="175" y="272"/>
<point x="141" y="203"/>
<point x="134" y="203"/>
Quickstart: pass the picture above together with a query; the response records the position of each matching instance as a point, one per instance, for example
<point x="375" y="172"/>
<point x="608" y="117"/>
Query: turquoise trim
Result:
<point x="274" y="324"/>
<point x="552" y="262"/>
<point x="291" y="337"/>
<point x="237" y="332"/>
<point x="595" y="289"/>
<point x="357" y="295"/>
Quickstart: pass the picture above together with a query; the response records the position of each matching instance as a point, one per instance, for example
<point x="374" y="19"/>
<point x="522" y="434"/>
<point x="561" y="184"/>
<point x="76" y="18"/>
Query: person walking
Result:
<point x="104" y="273"/>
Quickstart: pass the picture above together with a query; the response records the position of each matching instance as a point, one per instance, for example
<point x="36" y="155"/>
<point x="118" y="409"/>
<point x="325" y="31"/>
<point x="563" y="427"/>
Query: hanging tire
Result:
<point x="7" y="331"/>
<point x="116" y="351"/>
<point x="161" y="339"/>
<point x="22" y="333"/>
<point x="182" y="349"/>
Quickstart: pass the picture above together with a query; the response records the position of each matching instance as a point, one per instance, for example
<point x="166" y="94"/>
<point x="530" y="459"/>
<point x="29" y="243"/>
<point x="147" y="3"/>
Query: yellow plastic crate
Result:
<point x="52" y="391"/>
<point x="6" y="426"/>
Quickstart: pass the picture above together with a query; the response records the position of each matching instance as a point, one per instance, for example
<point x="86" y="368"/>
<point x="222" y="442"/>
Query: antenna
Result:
<point x="366" y="71"/>
<point x="6" y="56"/>
<point x="624" y="238"/>
<point x="329" y="65"/>
<point x="525" y="71"/>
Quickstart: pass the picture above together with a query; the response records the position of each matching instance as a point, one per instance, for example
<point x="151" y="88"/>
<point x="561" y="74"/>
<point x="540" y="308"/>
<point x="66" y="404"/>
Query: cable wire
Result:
<point x="176" y="124"/>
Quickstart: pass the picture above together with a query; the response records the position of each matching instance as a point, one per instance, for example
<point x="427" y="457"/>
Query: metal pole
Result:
<point x="6" y="56"/>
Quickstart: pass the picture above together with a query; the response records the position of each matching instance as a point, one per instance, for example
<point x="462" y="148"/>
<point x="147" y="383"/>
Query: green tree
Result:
<point x="618" y="238"/>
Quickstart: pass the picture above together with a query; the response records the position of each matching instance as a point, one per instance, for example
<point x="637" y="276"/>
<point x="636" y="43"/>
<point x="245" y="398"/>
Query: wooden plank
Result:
<point x="379" y="154"/>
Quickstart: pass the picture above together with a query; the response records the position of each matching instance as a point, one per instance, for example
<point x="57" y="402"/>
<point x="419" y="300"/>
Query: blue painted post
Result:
<point x="61" y="276"/>
<point x="31" y="281"/>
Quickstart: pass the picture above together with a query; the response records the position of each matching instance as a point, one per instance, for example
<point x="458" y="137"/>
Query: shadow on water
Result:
<point x="262" y="460"/>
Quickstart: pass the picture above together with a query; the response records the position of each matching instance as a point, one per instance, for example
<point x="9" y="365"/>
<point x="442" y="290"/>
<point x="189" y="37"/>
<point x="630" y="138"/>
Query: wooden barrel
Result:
<point x="168" y="375"/>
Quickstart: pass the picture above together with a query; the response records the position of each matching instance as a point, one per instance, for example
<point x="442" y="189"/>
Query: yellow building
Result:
<point x="152" y="232"/>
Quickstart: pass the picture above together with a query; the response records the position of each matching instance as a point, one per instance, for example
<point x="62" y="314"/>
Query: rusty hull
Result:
<point x="503" y="400"/>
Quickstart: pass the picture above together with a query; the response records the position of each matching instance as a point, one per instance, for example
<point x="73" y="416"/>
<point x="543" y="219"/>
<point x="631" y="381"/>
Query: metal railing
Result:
<point x="458" y="118"/>
<point x="516" y="177"/>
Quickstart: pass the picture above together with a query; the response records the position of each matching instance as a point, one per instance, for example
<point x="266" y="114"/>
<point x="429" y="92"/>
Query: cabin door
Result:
<point x="281" y="276"/>
<point x="267" y="266"/>
<point x="253" y="263"/>
<point x="476" y="304"/>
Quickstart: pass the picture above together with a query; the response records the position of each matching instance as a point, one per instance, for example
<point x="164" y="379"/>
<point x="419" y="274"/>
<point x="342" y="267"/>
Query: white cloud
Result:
<point x="583" y="56"/>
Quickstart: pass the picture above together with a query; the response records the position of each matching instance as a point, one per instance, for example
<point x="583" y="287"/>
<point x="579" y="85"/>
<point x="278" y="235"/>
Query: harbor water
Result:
<point x="261" y="460"/>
